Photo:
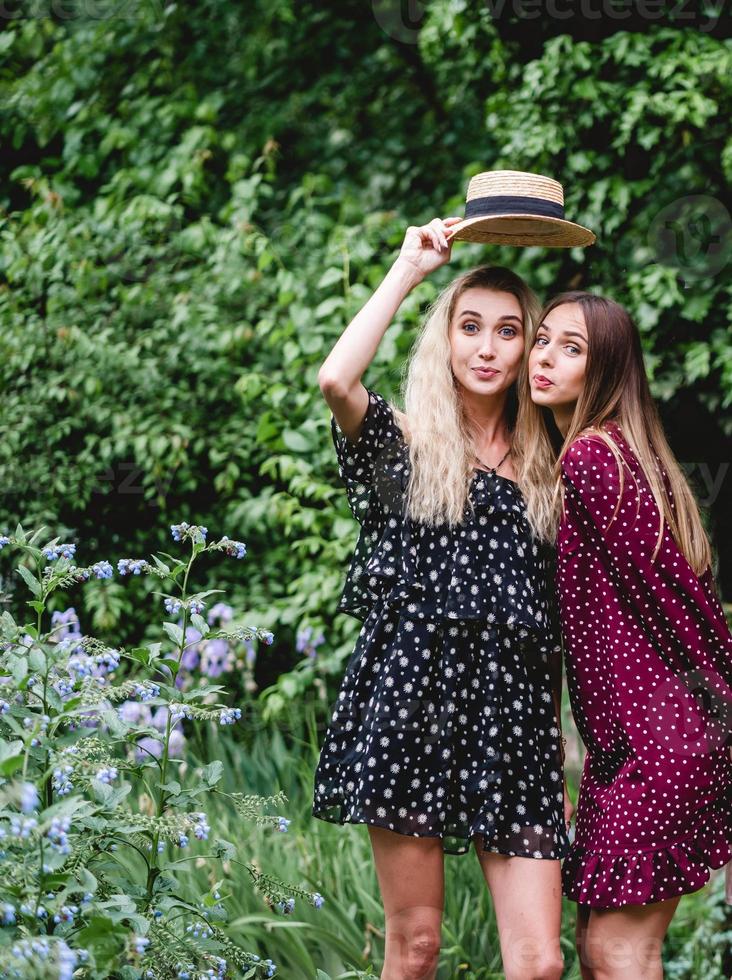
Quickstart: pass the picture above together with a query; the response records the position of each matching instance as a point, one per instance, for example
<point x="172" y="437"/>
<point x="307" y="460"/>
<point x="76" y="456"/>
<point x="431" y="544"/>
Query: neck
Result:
<point x="486" y="416"/>
<point x="563" y="415"/>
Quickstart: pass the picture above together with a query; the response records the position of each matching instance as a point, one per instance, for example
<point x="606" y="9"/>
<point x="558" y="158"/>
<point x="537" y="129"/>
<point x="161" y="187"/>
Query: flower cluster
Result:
<point x="59" y="958"/>
<point x="132" y="566"/>
<point x="99" y="681"/>
<point x="58" y="834"/>
<point x="173" y="606"/>
<point x="53" y="551"/>
<point x="234" y="549"/>
<point x="194" y="532"/>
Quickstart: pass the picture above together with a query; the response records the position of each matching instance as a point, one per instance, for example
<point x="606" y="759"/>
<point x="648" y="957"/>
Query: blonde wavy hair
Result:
<point x="442" y="447"/>
<point x="616" y="387"/>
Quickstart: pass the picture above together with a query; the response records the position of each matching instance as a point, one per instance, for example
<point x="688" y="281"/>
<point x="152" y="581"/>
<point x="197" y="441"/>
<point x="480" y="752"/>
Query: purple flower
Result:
<point x="221" y="611"/>
<point x="70" y="625"/>
<point x="134" y="713"/>
<point x="148" y="746"/>
<point x="190" y="659"/>
<point x="217" y="657"/>
<point x="306" y="644"/>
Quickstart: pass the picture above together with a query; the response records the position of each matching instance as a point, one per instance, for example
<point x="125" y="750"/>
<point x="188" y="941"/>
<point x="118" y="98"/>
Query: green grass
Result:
<point x="345" y="938"/>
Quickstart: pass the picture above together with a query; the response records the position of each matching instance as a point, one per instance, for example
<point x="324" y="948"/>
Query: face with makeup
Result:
<point x="558" y="360"/>
<point x="486" y="341"/>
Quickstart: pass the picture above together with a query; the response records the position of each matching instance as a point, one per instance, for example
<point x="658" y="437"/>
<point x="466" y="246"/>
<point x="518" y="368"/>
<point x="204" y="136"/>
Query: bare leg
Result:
<point x="527" y="897"/>
<point x="412" y="883"/>
<point x="583" y="919"/>
<point x="625" y="943"/>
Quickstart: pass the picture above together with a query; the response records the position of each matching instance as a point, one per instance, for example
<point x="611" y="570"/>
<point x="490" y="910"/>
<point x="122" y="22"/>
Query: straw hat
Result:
<point x="508" y="207"/>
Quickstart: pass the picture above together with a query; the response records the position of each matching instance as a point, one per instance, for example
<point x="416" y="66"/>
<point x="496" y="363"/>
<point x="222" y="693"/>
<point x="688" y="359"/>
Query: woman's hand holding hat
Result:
<point x="427" y="247"/>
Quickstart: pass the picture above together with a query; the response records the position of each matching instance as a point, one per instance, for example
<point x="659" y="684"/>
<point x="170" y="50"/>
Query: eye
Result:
<point x="572" y="348"/>
<point x="536" y="342"/>
<point x="469" y="323"/>
<point x="511" y="329"/>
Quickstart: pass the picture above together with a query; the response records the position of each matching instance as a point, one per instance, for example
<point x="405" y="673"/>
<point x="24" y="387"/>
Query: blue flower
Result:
<point x="229" y="716"/>
<point x="107" y="775"/>
<point x="61" y="782"/>
<point x="318" y="900"/>
<point x="53" y="551"/>
<point x="4" y="707"/>
<point x="140" y="943"/>
<point x="102" y="569"/>
<point x="146" y="691"/>
<point x="28" y="797"/>
<point x="4" y="539"/>
<point x="57" y="834"/>
<point x="172" y="606"/>
<point x="178" y="530"/>
<point x="235" y="549"/>
<point x="201" y="828"/>
<point x="66" y="913"/>
<point x="282" y="825"/>
<point x="134" y="566"/>
<point x="196" y="606"/>
<point x="8" y="914"/>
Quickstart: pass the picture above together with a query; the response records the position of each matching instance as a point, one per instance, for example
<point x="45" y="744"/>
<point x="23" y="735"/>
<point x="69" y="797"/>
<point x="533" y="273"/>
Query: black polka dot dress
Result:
<point x="444" y="725"/>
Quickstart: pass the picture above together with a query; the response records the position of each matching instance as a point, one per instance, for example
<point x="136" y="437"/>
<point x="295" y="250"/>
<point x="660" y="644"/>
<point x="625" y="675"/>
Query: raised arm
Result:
<point x="425" y="248"/>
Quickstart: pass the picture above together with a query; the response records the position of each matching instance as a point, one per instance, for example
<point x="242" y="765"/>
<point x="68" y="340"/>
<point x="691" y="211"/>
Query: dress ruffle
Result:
<point x="395" y="572"/>
<point x="605" y="881"/>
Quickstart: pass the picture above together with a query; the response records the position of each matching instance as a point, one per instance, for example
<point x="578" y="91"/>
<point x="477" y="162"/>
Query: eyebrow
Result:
<point x="567" y="333"/>
<point x="503" y="316"/>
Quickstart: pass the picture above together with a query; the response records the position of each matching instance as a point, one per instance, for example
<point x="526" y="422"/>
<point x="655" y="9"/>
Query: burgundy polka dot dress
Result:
<point x="444" y="725"/>
<point x="641" y="636"/>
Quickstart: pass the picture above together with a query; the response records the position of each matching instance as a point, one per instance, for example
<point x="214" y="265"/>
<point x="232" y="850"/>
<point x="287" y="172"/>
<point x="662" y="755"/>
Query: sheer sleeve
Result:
<point x="680" y="611"/>
<point x="362" y="464"/>
<point x="373" y="471"/>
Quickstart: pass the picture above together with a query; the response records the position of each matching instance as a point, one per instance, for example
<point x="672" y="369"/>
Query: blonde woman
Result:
<point x="446" y="729"/>
<point x="647" y="647"/>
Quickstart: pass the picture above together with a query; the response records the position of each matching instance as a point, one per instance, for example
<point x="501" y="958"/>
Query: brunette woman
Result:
<point x="647" y="647"/>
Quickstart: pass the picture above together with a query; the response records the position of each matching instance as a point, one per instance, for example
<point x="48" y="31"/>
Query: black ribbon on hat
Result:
<point x="480" y="207"/>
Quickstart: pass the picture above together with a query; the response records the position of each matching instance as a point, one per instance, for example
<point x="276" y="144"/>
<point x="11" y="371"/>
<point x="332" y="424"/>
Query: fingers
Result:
<point x="440" y="227"/>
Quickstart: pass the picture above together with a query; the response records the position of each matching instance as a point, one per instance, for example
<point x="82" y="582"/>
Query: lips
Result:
<point x="542" y="381"/>
<point x="485" y="373"/>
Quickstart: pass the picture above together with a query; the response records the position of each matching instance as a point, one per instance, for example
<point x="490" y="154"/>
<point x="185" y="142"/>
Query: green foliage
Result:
<point x="191" y="218"/>
<point x="90" y="822"/>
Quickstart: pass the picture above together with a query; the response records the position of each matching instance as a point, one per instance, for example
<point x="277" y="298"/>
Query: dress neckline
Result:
<point x="497" y="476"/>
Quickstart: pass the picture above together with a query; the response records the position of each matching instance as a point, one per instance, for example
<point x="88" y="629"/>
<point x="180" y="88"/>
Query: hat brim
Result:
<point x="521" y="229"/>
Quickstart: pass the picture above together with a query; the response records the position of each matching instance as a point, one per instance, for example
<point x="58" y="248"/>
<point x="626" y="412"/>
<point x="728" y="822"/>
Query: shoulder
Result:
<point x="589" y="453"/>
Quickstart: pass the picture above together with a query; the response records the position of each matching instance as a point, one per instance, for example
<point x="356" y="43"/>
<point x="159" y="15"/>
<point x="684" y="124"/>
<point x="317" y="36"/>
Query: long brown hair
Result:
<point x="616" y="388"/>
<point x="442" y="443"/>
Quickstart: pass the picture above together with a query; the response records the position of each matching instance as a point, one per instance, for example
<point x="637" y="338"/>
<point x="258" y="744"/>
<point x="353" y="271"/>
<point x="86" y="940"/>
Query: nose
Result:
<point x="545" y="356"/>
<point x="486" y="347"/>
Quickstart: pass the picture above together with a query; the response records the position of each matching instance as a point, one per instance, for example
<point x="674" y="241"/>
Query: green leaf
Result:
<point x="296" y="441"/>
<point x="200" y="624"/>
<point x="174" y="632"/>
<point x="30" y="580"/>
<point x="213" y="772"/>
